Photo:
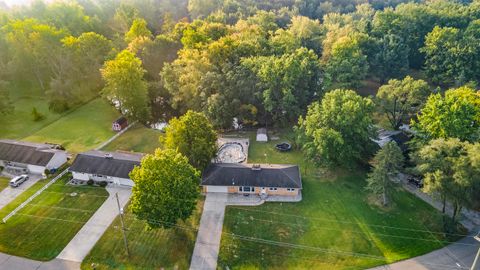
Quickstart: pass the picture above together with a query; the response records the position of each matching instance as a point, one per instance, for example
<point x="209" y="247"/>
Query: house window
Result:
<point x="272" y="189"/>
<point x="246" y="189"/>
<point x="290" y="189"/>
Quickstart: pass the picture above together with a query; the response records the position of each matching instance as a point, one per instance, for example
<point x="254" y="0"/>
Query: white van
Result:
<point x="17" y="181"/>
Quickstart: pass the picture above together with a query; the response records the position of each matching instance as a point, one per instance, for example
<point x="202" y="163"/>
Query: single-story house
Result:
<point x="110" y="167"/>
<point x="398" y="136"/>
<point x="262" y="135"/>
<point x="261" y="179"/>
<point x="19" y="157"/>
<point x="119" y="124"/>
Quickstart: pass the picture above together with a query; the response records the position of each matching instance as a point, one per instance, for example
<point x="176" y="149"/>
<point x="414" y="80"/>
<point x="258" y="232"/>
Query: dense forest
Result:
<point x="260" y="61"/>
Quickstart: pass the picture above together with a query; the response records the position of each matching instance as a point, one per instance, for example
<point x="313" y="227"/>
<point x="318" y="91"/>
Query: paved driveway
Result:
<point x="205" y="253"/>
<point x="459" y="255"/>
<point x="8" y="262"/>
<point x="87" y="237"/>
<point x="9" y="194"/>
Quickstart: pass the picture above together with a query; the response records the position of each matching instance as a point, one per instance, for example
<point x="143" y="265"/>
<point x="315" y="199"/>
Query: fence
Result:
<point x="34" y="196"/>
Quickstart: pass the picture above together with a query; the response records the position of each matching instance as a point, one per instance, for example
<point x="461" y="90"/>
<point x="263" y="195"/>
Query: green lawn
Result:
<point x="334" y="227"/>
<point x="150" y="249"/>
<point x="20" y="122"/>
<point x="46" y="225"/>
<point x="82" y="129"/>
<point x="137" y="139"/>
<point x="3" y="182"/>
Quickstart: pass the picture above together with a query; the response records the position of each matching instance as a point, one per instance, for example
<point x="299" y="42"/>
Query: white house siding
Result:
<point x="123" y="181"/>
<point x="57" y="160"/>
<point x="113" y="180"/>
<point x="33" y="169"/>
<point x="223" y="189"/>
<point x="80" y="176"/>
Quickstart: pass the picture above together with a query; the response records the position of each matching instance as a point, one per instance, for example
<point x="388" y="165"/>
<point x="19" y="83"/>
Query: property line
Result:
<point x="115" y="136"/>
<point x="22" y="205"/>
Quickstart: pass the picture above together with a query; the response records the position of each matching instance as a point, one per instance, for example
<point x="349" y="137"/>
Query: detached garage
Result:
<point x="110" y="167"/>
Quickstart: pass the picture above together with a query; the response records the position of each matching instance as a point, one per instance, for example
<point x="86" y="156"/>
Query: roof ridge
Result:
<point x="293" y="181"/>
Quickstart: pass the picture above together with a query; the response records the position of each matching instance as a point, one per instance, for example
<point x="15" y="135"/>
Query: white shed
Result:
<point x="262" y="135"/>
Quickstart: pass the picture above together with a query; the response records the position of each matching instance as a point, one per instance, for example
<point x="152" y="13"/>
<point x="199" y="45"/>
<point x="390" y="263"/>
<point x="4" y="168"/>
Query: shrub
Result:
<point x="103" y="183"/>
<point x="90" y="182"/>
<point x="36" y="115"/>
<point x="58" y="106"/>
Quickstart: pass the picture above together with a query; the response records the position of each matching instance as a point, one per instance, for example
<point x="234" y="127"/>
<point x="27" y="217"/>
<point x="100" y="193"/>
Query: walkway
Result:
<point x="87" y="237"/>
<point x="205" y="253"/>
<point x="9" y="194"/>
<point x="459" y="255"/>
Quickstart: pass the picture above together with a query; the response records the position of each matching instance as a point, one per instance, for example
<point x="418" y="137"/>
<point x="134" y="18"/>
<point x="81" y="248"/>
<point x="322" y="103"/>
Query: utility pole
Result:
<point x="474" y="265"/>
<point x="120" y="210"/>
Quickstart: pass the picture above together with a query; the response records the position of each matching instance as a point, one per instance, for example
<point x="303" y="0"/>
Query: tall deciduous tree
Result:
<point x="138" y="29"/>
<point x="193" y="136"/>
<point x="450" y="169"/>
<point x="289" y="82"/>
<point x="124" y="84"/>
<point x="33" y="46"/>
<point x="166" y="189"/>
<point x="454" y="115"/>
<point x="347" y="65"/>
<point x="391" y="57"/>
<point x="338" y="130"/>
<point x="399" y="100"/>
<point x="386" y="164"/>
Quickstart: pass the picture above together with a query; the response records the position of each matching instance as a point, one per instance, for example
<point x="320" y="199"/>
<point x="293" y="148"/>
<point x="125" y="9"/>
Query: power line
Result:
<point x="381" y="258"/>
<point x="346" y="222"/>
<point x="375" y="233"/>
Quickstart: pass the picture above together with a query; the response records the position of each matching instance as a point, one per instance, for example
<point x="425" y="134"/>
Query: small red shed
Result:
<point x="119" y="124"/>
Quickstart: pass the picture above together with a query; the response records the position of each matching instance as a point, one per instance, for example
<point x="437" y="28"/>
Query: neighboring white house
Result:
<point x="262" y="135"/>
<point x="25" y="157"/>
<point x="100" y="166"/>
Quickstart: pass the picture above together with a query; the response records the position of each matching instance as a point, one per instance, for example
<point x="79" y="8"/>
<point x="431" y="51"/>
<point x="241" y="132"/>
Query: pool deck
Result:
<point x="245" y="142"/>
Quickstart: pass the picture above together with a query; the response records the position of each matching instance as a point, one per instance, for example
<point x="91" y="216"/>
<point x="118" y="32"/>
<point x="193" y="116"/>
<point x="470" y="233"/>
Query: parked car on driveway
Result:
<point x="17" y="181"/>
<point x="418" y="182"/>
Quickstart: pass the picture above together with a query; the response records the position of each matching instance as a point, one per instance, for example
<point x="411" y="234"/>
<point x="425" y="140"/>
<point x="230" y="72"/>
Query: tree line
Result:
<point x="258" y="61"/>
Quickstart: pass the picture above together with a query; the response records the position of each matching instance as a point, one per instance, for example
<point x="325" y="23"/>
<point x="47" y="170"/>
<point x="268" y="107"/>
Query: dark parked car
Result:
<point x="418" y="182"/>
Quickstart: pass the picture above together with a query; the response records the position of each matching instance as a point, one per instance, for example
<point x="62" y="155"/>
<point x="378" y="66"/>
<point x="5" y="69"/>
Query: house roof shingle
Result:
<point x="26" y="152"/>
<point x="235" y="174"/>
<point x="114" y="164"/>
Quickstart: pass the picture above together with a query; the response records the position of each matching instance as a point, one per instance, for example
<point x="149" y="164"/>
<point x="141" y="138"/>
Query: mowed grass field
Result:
<point x="335" y="226"/>
<point x="150" y="249"/>
<point x="79" y="129"/>
<point x="137" y="139"/>
<point x="82" y="129"/>
<point x="19" y="123"/>
<point x="46" y="225"/>
<point x="3" y="182"/>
